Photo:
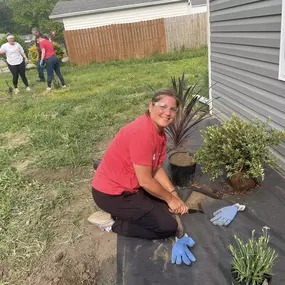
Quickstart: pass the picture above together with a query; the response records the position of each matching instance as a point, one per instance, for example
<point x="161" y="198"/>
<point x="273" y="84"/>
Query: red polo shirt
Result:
<point x="48" y="46"/>
<point x="136" y="143"/>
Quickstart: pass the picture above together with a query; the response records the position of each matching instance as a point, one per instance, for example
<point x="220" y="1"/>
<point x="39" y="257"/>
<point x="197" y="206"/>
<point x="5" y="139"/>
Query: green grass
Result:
<point x="67" y="129"/>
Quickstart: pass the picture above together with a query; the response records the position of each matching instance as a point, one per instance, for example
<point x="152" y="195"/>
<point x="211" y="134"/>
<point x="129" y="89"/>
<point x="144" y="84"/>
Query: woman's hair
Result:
<point x="8" y="36"/>
<point x="169" y="92"/>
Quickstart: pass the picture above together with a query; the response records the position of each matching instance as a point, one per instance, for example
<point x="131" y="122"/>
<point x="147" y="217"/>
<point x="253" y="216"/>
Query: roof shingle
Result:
<point x="83" y="6"/>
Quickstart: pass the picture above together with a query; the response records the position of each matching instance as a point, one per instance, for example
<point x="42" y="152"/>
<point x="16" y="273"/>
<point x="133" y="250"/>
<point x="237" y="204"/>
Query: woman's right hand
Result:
<point x="176" y="206"/>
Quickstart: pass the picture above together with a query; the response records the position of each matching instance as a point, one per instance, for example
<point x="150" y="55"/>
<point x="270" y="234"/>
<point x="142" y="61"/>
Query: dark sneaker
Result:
<point x="96" y="163"/>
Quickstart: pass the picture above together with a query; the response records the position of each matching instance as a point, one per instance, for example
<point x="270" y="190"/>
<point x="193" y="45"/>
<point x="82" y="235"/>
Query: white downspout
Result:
<point x="209" y="57"/>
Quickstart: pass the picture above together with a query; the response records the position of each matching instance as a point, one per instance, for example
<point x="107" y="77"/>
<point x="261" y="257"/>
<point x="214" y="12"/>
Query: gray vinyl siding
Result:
<point x="245" y="43"/>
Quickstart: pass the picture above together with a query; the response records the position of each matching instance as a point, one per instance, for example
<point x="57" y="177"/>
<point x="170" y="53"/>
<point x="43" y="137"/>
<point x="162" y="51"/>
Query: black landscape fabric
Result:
<point x="143" y="262"/>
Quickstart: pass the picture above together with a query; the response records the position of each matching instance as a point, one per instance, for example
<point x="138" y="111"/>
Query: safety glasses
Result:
<point x="163" y="107"/>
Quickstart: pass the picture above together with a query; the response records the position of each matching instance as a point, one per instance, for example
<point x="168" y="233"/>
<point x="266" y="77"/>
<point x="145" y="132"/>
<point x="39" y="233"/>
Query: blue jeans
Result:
<point x="53" y="64"/>
<point x="40" y="70"/>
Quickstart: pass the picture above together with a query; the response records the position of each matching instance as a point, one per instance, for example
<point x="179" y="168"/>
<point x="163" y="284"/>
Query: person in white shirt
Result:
<point x="15" y="59"/>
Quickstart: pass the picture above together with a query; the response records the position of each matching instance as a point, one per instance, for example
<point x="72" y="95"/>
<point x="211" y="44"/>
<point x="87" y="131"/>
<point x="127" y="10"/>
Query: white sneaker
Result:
<point x="28" y="89"/>
<point x="63" y="86"/>
<point x="16" y="90"/>
<point x="48" y="90"/>
<point x="102" y="220"/>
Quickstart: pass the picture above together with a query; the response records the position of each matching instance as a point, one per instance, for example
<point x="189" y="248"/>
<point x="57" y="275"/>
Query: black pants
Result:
<point x="53" y="64"/>
<point x="137" y="214"/>
<point x="17" y="70"/>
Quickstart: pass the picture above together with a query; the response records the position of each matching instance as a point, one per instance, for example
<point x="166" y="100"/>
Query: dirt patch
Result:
<point x="14" y="139"/>
<point x="82" y="253"/>
<point x="91" y="260"/>
<point x="224" y="189"/>
<point x="239" y="183"/>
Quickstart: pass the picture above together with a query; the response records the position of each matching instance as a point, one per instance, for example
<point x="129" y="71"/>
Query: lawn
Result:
<point x="48" y="142"/>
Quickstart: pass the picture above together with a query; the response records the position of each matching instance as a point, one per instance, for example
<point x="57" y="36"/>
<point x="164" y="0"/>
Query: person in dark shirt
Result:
<point x="40" y="68"/>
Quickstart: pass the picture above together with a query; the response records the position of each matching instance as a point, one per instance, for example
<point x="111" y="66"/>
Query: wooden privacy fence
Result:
<point x="135" y="40"/>
<point x="188" y="31"/>
<point x="122" y="41"/>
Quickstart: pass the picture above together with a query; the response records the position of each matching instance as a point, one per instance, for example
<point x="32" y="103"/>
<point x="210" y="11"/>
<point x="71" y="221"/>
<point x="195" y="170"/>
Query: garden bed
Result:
<point x="149" y="262"/>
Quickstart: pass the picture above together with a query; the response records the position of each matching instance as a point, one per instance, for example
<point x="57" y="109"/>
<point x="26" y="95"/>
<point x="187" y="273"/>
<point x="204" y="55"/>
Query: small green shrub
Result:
<point x="33" y="52"/>
<point x="252" y="260"/>
<point x="236" y="147"/>
<point x="58" y="51"/>
<point x="3" y="40"/>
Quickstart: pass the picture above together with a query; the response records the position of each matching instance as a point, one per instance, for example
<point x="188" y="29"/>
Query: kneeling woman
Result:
<point x="130" y="183"/>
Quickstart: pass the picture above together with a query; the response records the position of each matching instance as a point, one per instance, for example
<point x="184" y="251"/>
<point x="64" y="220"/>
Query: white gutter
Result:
<point x="209" y="58"/>
<point x="110" y="9"/>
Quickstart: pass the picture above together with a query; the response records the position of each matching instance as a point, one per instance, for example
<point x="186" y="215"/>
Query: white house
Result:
<point x="83" y="14"/>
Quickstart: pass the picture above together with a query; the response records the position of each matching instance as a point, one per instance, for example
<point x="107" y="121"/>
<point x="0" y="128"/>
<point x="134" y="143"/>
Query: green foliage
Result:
<point x="34" y="13"/>
<point x="3" y="40"/>
<point x="238" y="147"/>
<point x="26" y="211"/>
<point x="33" y="52"/>
<point x="58" y="51"/>
<point x="6" y="22"/>
<point x="252" y="259"/>
<point x="190" y="111"/>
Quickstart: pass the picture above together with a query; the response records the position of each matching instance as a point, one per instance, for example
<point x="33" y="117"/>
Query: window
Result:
<point x="282" y="45"/>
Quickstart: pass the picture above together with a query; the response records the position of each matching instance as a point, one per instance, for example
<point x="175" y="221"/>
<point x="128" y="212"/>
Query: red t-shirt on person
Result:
<point x="136" y="143"/>
<point x="48" y="46"/>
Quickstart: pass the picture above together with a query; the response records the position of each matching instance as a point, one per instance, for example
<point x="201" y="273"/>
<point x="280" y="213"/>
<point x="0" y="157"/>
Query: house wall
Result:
<point x="244" y="61"/>
<point x="131" y="15"/>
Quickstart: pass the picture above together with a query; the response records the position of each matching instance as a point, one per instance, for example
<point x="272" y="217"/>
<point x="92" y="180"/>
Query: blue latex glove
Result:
<point x="225" y="215"/>
<point x="181" y="252"/>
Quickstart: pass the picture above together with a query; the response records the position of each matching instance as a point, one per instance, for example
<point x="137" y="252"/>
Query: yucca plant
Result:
<point x="252" y="260"/>
<point x="190" y="112"/>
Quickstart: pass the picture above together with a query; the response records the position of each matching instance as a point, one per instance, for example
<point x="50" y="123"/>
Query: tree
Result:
<point x="34" y="13"/>
<point x="6" y="21"/>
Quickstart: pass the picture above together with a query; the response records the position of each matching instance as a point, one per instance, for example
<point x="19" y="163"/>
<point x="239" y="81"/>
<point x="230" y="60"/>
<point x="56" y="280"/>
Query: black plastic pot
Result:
<point x="182" y="176"/>
<point x="234" y="277"/>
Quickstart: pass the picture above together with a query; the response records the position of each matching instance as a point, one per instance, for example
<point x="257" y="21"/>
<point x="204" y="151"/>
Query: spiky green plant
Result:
<point x="252" y="260"/>
<point x="190" y="112"/>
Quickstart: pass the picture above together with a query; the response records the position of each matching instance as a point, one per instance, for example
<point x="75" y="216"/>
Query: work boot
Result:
<point x="102" y="220"/>
<point x="96" y="163"/>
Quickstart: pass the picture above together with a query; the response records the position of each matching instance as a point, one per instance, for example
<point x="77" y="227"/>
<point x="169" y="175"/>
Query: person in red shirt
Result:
<point x="130" y="184"/>
<point x="52" y="62"/>
<point x="40" y="68"/>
